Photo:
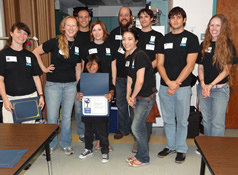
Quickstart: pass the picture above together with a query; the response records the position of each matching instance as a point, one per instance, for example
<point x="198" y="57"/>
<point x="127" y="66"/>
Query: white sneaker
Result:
<point x="86" y="153"/>
<point x="105" y="158"/>
<point x="68" y="150"/>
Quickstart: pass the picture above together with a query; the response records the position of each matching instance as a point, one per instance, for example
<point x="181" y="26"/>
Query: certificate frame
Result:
<point x="96" y="106"/>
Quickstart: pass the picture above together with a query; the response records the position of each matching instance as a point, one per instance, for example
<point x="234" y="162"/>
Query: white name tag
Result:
<point x="92" y="51"/>
<point x="108" y="50"/>
<point x="152" y="38"/>
<point x="11" y="59"/>
<point x="150" y="47"/>
<point x="127" y="64"/>
<point x="118" y="37"/>
<point x="208" y="50"/>
<point x="184" y="40"/>
<point x="76" y="49"/>
<point x="168" y="46"/>
<point x="28" y="59"/>
<point x="60" y="52"/>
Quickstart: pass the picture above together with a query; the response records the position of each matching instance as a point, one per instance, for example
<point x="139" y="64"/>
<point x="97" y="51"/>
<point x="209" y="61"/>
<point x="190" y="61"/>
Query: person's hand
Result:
<point x="171" y="92"/>
<point x="8" y="105"/>
<point x="41" y="102"/>
<point x="173" y="85"/>
<point x="131" y="102"/>
<point x="49" y="69"/>
<point x="79" y="96"/>
<point x="108" y="97"/>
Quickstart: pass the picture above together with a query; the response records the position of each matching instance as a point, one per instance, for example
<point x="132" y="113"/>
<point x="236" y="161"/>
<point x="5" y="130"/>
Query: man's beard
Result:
<point x="125" y="26"/>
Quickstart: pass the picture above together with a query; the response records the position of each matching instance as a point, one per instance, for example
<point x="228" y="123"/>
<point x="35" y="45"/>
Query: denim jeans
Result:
<point x="80" y="128"/>
<point x="139" y="129"/>
<point x="122" y="105"/>
<point x="213" y="110"/>
<point x="175" y="112"/>
<point x="56" y="95"/>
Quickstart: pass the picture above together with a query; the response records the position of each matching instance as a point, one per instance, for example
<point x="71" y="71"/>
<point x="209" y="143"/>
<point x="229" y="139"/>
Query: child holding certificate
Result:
<point x="100" y="124"/>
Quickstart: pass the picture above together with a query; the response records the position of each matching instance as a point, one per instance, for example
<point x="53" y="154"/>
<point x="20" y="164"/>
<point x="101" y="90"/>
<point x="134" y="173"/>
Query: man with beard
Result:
<point x="82" y="40"/>
<point x="125" y="21"/>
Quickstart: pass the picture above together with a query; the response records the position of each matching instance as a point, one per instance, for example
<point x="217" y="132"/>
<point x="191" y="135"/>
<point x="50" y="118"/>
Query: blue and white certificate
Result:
<point x="95" y="106"/>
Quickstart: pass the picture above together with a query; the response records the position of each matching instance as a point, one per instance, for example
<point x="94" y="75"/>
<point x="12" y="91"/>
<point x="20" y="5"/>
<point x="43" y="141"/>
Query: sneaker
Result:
<point x="86" y="153"/>
<point x="68" y="150"/>
<point x="82" y="139"/>
<point x="51" y="151"/>
<point x="105" y="158"/>
<point x="165" y="152"/>
<point x="197" y="152"/>
<point x="180" y="158"/>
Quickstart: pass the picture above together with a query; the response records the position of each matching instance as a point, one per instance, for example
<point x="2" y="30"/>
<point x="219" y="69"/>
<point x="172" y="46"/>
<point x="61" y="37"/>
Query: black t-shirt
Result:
<point x="82" y="40"/>
<point x="64" y="68"/>
<point x="115" y="39"/>
<point x="211" y="71"/>
<point x="137" y="60"/>
<point x="176" y="48"/>
<point x="148" y="42"/>
<point x="17" y="68"/>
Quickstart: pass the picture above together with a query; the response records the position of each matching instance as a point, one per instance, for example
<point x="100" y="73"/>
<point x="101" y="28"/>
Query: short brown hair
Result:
<point x="105" y="33"/>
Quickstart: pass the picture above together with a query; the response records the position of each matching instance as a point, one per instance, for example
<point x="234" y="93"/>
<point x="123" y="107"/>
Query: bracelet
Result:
<point x="211" y="84"/>
<point x="41" y="95"/>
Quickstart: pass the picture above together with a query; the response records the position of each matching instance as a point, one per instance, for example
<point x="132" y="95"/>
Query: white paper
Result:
<point x="94" y="106"/>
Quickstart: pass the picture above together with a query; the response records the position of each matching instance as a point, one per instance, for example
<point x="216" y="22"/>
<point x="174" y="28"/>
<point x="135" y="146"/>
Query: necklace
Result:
<point x="71" y="45"/>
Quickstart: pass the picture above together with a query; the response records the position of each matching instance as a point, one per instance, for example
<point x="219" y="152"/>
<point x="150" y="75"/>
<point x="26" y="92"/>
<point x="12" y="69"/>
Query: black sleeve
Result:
<point x="141" y="61"/>
<point x="36" y="70"/>
<point x="160" y="46"/>
<point x="2" y="63"/>
<point x="235" y="58"/>
<point x="199" y="58"/>
<point x="49" y="45"/>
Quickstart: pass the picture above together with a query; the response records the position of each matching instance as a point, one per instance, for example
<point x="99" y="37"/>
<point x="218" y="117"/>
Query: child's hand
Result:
<point x="79" y="96"/>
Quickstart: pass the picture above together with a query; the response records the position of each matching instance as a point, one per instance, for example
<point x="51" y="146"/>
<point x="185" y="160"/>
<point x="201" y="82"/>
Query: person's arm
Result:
<point x="38" y="52"/>
<point x="139" y="82"/>
<point x="219" y="78"/>
<point x="110" y="95"/>
<point x="172" y="85"/>
<point x="39" y="90"/>
<point x="154" y="63"/>
<point x="114" y="71"/>
<point x="7" y="104"/>
<point x="128" y="91"/>
<point x="78" y="71"/>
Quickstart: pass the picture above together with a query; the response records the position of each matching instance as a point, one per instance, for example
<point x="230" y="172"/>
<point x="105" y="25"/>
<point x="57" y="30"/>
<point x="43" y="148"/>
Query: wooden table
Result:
<point x="33" y="137"/>
<point x="220" y="154"/>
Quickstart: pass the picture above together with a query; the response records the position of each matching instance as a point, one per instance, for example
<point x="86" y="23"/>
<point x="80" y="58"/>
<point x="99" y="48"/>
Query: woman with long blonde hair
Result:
<point x="62" y="76"/>
<point x="215" y="63"/>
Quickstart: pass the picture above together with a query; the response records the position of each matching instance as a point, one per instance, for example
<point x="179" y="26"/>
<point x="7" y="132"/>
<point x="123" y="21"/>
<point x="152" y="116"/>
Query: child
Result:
<point x="100" y="124"/>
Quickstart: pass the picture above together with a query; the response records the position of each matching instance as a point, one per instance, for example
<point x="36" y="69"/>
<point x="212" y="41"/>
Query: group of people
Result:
<point x="131" y="57"/>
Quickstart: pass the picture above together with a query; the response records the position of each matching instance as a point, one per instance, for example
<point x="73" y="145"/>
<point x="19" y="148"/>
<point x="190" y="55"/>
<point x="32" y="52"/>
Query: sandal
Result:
<point x="136" y="163"/>
<point x="129" y="159"/>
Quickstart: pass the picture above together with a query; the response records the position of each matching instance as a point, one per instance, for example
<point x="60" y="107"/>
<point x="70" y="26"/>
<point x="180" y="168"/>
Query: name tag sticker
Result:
<point x="120" y="50"/>
<point x="11" y="59"/>
<point x="168" y="46"/>
<point x="127" y="64"/>
<point x="152" y="38"/>
<point x="28" y="61"/>
<point x="92" y="51"/>
<point x="184" y="41"/>
<point x="150" y="47"/>
<point x="76" y="50"/>
<point x="108" y="51"/>
<point x="208" y="50"/>
<point x="118" y="37"/>
<point x="60" y="52"/>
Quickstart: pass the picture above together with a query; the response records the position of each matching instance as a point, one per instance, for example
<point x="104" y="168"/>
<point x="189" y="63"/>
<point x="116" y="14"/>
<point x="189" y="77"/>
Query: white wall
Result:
<point x="2" y="26"/>
<point x="198" y="15"/>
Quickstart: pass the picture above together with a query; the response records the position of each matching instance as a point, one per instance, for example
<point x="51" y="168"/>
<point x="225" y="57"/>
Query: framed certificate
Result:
<point x="95" y="106"/>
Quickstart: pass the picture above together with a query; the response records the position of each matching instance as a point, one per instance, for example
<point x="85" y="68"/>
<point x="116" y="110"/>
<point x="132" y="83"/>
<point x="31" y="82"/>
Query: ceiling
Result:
<point x="82" y="3"/>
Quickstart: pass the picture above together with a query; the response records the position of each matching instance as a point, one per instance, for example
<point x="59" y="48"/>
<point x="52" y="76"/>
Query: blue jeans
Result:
<point x="56" y="95"/>
<point x="175" y="111"/>
<point x="122" y="105"/>
<point x="213" y="110"/>
<point x="139" y="129"/>
<point x="80" y="128"/>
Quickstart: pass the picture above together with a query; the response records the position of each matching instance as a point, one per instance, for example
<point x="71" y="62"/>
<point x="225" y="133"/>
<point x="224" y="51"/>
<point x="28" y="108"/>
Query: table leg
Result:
<point x="202" y="170"/>
<point x="47" y="150"/>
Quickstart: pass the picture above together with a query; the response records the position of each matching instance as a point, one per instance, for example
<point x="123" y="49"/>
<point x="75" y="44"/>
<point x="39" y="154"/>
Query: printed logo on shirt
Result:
<point x="11" y="59"/>
<point x="60" y="52"/>
<point x="152" y="40"/>
<point x="150" y="47"/>
<point x="168" y="46"/>
<point x="76" y="50"/>
<point x="208" y="50"/>
<point x="92" y="51"/>
<point x="118" y="37"/>
<point x="108" y="51"/>
<point x="184" y="41"/>
<point x="28" y="61"/>
<point x="127" y="64"/>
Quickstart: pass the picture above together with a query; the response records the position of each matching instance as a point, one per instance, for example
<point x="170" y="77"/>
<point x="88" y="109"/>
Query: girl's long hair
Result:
<point x="63" y="42"/>
<point x="223" y="54"/>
